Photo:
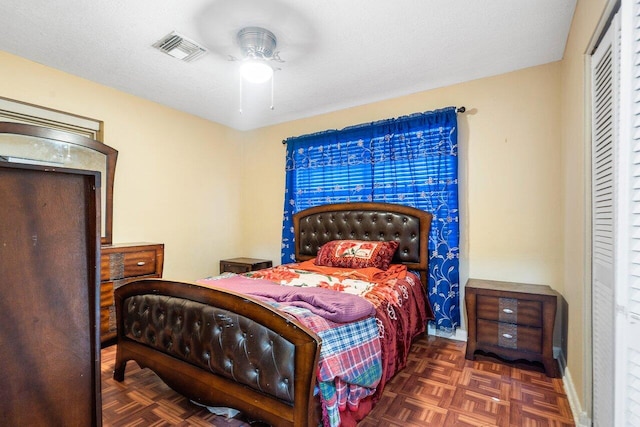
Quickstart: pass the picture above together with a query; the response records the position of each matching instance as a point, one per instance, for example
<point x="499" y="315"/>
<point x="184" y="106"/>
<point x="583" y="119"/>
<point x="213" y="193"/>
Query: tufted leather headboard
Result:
<point x="408" y="226"/>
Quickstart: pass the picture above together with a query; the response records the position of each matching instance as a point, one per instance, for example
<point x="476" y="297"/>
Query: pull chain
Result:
<point x="272" y="79"/>
<point x="240" y="110"/>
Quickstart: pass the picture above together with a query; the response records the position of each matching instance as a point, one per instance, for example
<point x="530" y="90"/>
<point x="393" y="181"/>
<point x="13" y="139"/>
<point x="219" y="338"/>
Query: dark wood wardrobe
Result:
<point x="49" y="282"/>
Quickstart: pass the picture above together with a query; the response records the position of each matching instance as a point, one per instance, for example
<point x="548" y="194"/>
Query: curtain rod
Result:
<point x="458" y="110"/>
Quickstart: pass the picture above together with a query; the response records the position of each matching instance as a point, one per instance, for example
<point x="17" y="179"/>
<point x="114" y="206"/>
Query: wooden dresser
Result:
<point x="511" y="320"/>
<point x="120" y="264"/>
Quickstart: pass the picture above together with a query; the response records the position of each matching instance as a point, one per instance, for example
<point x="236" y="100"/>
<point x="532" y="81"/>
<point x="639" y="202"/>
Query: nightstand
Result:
<point x="511" y="320"/>
<point x="243" y="265"/>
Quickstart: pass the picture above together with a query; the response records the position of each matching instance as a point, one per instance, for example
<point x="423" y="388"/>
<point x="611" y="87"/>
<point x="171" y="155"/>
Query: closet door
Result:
<point x="604" y="72"/>
<point x="616" y="221"/>
<point x="627" y="348"/>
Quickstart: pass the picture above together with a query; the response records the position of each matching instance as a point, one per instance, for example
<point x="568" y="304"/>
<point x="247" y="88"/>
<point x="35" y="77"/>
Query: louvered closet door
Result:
<point x="604" y="83"/>
<point x="627" y="362"/>
<point x="616" y="221"/>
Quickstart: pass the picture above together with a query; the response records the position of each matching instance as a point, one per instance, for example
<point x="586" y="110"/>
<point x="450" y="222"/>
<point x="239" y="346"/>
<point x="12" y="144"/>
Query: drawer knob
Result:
<point x="507" y="310"/>
<point x="507" y="336"/>
<point x="141" y="263"/>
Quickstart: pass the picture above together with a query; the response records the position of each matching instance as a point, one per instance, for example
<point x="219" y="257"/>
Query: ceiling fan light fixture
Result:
<point x="256" y="71"/>
<point x="257" y="46"/>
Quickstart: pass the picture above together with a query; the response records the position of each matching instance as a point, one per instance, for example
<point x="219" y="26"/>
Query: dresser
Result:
<point x="243" y="265"/>
<point x="511" y="320"/>
<point x="119" y="264"/>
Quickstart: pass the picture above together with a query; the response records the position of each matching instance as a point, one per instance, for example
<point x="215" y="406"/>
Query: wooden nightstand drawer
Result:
<point x="511" y="310"/>
<point x="243" y="265"/>
<point x="509" y="336"/>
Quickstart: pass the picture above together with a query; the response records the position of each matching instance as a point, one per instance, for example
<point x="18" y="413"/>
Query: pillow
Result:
<point x="356" y="254"/>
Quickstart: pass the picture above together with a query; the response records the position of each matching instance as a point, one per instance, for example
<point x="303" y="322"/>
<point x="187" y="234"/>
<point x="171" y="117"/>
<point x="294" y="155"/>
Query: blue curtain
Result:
<point x="411" y="160"/>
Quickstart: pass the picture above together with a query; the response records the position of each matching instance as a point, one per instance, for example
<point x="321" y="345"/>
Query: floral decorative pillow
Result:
<point x="357" y="254"/>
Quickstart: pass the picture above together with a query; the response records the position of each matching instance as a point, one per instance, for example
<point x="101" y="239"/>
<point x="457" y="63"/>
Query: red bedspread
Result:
<point x="402" y="308"/>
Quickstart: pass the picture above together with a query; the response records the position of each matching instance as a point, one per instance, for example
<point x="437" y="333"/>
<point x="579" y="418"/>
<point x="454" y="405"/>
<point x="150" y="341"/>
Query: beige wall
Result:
<point x="576" y="176"/>
<point x="176" y="179"/>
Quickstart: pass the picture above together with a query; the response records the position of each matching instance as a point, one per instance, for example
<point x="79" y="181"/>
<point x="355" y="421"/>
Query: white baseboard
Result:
<point x="580" y="417"/>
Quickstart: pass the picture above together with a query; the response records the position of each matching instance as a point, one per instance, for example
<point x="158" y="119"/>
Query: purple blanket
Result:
<point x="332" y="305"/>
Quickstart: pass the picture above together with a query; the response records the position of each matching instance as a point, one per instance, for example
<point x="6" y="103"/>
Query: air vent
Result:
<point x="180" y="47"/>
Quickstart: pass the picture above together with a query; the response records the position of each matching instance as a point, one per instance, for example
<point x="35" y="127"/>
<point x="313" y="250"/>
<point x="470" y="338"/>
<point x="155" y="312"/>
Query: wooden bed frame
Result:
<point x="219" y="348"/>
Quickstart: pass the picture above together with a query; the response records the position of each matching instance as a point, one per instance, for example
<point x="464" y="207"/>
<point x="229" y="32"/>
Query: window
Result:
<point x="411" y="161"/>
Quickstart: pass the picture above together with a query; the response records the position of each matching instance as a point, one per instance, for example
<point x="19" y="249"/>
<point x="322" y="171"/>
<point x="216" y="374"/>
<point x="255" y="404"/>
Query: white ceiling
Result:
<point x="337" y="53"/>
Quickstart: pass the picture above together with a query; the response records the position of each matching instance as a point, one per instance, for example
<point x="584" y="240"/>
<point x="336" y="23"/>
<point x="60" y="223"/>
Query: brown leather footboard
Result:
<point x="219" y="348"/>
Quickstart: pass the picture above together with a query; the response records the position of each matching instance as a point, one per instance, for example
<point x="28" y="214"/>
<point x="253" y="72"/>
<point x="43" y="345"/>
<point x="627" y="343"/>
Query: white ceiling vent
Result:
<point x="180" y="47"/>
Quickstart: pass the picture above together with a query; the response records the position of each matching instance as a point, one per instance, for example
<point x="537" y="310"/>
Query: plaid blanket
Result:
<point x="350" y="365"/>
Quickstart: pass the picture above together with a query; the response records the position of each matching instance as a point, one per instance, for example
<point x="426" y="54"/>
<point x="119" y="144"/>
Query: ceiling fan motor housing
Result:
<point x="257" y="42"/>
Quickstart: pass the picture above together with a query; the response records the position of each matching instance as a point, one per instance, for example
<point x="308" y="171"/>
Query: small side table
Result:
<point x="243" y="265"/>
<point x="512" y="320"/>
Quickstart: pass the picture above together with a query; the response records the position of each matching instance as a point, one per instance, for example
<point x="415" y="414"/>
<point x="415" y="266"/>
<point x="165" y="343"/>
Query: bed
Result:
<point x="224" y="345"/>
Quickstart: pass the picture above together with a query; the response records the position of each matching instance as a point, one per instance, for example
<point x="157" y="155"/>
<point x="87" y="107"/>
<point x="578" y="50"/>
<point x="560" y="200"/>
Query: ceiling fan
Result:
<point x="257" y="46"/>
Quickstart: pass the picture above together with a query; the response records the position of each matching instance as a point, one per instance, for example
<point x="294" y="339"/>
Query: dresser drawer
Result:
<point x="509" y="336"/>
<point x="106" y="294"/>
<point x="105" y="323"/>
<point x="510" y="310"/>
<point x="120" y="265"/>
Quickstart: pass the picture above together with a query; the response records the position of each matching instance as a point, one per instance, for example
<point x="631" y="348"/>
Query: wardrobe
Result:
<point x="49" y="281"/>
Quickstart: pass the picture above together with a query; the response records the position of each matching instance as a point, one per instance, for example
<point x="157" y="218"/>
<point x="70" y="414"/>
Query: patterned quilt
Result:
<point x="357" y="358"/>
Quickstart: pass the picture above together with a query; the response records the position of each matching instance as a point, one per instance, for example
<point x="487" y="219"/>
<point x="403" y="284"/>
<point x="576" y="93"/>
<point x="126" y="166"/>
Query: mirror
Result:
<point x="37" y="145"/>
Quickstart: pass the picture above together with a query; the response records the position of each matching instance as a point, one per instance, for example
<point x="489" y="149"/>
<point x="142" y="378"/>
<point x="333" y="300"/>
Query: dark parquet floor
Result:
<point x="439" y="387"/>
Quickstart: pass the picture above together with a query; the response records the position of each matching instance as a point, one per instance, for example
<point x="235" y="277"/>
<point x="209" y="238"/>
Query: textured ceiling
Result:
<point x="337" y="54"/>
